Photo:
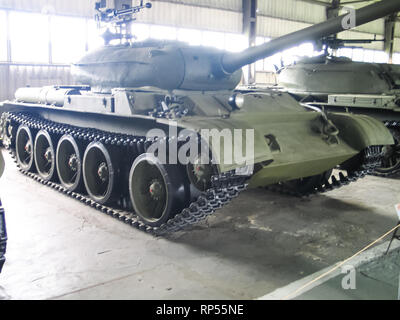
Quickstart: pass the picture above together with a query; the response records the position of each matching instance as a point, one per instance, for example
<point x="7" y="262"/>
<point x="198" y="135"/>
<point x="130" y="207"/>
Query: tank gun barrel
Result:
<point x="234" y="61"/>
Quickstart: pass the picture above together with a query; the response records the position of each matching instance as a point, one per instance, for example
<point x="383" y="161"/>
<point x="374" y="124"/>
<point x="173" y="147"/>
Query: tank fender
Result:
<point x="360" y="131"/>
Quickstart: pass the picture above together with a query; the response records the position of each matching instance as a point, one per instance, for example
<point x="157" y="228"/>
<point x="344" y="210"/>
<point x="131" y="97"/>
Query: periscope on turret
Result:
<point x="113" y="141"/>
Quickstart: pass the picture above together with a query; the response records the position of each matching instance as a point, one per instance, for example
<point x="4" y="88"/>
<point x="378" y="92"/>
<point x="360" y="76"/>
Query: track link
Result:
<point x="372" y="158"/>
<point x="225" y="187"/>
<point x="3" y="237"/>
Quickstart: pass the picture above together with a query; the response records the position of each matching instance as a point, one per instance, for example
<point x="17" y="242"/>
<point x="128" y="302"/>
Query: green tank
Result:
<point x="158" y="136"/>
<point x="338" y="84"/>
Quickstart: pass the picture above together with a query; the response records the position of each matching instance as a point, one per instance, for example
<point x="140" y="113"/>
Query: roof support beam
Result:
<point x="390" y="24"/>
<point x="331" y="13"/>
<point x="333" y="10"/>
<point x="250" y="30"/>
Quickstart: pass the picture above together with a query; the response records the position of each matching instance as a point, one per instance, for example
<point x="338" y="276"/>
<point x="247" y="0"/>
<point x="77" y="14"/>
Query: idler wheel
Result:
<point x="200" y="175"/>
<point x="45" y="156"/>
<point x="69" y="163"/>
<point x="24" y="148"/>
<point x="391" y="156"/>
<point x="7" y="132"/>
<point x="99" y="173"/>
<point x="157" y="191"/>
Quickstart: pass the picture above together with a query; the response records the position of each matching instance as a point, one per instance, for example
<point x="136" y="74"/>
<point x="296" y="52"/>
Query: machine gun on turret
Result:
<point x="334" y="43"/>
<point x="121" y="16"/>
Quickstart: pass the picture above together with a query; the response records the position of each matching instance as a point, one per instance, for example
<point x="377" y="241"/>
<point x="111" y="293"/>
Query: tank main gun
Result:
<point x="171" y="65"/>
<point x="233" y="61"/>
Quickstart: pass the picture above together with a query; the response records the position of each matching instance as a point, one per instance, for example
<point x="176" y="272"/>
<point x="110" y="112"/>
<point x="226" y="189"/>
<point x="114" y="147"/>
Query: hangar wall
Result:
<point x="276" y="17"/>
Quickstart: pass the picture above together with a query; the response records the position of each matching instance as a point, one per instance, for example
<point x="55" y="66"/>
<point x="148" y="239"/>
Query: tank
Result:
<point x="339" y="84"/>
<point x="3" y="231"/>
<point x="158" y="136"/>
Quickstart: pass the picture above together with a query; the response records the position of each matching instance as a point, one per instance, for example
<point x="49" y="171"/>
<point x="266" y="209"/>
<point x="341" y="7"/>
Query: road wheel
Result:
<point x="69" y="163"/>
<point x="24" y="148"/>
<point x="157" y="191"/>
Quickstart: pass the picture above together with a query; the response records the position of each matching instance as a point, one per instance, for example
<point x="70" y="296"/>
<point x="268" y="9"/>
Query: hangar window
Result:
<point x="369" y="55"/>
<point x="289" y="56"/>
<point x="364" y="55"/>
<point x="345" y="52"/>
<point x="29" y="35"/>
<point x="296" y="53"/>
<point x="141" y="31"/>
<point x="213" y="39"/>
<point x="381" y="57"/>
<point x="162" y="32"/>
<point x="68" y="38"/>
<point x="285" y="57"/>
<point x="306" y="50"/>
<point x="190" y="36"/>
<point x="235" y="42"/>
<point x="3" y="36"/>
<point x="94" y="35"/>
<point x="396" y="58"/>
<point x="358" y="55"/>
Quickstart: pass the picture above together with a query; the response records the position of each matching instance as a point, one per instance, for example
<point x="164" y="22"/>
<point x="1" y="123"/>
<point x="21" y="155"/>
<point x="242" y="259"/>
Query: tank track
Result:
<point x="225" y="187"/>
<point x="3" y="237"/>
<point x="372" y="158"/>
<point x="395" y="125"/>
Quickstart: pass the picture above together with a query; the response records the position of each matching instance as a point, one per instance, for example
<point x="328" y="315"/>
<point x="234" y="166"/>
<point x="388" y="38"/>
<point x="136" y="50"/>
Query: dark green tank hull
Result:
<point x="341" y="85"/>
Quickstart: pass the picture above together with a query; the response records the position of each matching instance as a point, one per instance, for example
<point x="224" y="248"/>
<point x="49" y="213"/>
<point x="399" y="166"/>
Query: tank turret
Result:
<point x="341" y="85"/>
<point x="173" y="65"/>
<point x="326" y="75"/>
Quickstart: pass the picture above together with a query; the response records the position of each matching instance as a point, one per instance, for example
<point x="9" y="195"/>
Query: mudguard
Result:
<point x="360" y="131"/>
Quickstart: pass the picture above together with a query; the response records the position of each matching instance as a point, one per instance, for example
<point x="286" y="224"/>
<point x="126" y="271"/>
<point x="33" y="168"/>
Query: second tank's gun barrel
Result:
<point x="234" y="61"/>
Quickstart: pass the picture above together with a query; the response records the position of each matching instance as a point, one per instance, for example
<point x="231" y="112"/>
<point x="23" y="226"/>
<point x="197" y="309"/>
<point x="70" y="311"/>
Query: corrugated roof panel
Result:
<point x="272" y="27"/>
<point x="70" y="7"/>
<point x="234" y="5"/>
<point x="221" y="15"/>
<point x="374" y="27"/>
<point x="292" y="10"/>
<point x="193" y="17"/>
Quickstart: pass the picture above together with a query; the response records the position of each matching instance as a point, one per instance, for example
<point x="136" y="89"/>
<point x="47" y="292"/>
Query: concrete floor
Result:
<point x="61" y="249"/>
<point x="376" y="280"/>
